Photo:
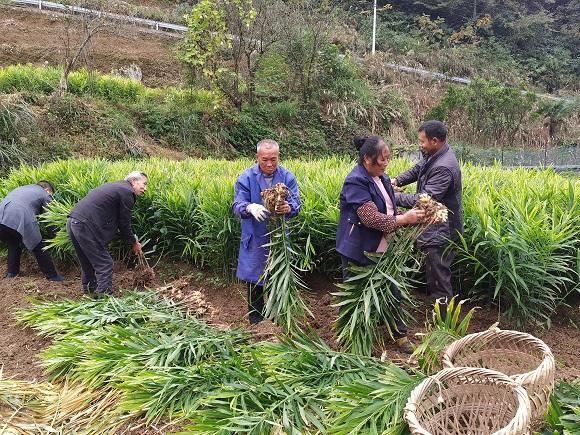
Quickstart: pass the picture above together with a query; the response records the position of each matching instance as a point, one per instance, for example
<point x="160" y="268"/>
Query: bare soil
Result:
<point x="29" y="36"/>
<point x="143" y="277"/>
<point x="224" y="306"/>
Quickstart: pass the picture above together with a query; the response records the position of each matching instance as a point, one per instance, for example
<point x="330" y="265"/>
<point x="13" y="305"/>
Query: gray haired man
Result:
<point x="95" y="221"/>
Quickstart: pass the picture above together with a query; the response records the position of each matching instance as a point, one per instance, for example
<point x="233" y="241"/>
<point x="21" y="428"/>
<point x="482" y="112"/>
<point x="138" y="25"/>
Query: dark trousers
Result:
<point x="401" y="326"/>
<point x="95" y="261"/>
<point x="255" y="303"/>
<point x="13" y="239"/>
<point x="438" y="272"/>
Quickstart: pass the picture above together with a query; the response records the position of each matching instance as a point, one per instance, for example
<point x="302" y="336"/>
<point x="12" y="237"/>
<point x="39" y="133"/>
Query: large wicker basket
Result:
<point x="523" y="357"/>
<point x="468" y="401"/>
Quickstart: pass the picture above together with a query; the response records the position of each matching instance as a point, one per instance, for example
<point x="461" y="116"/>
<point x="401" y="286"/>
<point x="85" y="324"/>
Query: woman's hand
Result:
<point x="413" y="216"/>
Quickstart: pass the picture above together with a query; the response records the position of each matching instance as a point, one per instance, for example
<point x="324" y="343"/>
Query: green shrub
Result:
<point x="249" y="127"/>
<point x="272" y="75"/>
<point x="495" y="113"/>
<point x="18" y="78"/>
<point x="70" y="114"/>
<point x="16" y="118"/>
<point x="286" y="111"/>
<point x="199" y="101"/>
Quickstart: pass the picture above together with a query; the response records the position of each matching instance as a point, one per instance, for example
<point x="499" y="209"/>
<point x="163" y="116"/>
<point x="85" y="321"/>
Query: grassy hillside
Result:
<point x="305" y="86"/>
<point x="113" y="117"/>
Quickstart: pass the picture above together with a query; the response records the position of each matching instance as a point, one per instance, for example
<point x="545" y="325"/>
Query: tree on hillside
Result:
<point x="227" y="39"/>
<point x="254" y="26"/>
<point x="215" y="26"/>
<point x="205" y="38"/>
<point x="76" y="39"/>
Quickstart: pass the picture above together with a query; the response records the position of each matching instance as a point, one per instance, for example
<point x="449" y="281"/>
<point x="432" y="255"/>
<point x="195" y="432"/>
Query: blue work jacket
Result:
<point x="253" y="255"/>
<point x="352" y="237"/>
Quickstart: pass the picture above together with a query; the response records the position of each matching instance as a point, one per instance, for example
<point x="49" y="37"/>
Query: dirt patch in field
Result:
<point x="265" y="331"/>
<point x="29" y="36"/>
<point x="230" y="303"/>
<point x="20" y="347"/>
<point x="224" y="306"/>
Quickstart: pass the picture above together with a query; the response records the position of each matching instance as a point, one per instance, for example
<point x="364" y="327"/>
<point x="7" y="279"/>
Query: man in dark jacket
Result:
<point x="95" y="221"/>
<point x="439" y="175"/>
<point x="19" y="225"/>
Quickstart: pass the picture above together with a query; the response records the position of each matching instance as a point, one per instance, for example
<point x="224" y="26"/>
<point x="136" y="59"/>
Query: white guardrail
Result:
<point x="176" y="28"/>
<point x="157" y="25"/>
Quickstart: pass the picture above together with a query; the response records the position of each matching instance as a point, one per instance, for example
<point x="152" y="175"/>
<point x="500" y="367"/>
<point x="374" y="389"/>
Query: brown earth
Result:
<point x="29" y="36"/>
<point x="19" y="347"/>
<point x="224" y="306"/>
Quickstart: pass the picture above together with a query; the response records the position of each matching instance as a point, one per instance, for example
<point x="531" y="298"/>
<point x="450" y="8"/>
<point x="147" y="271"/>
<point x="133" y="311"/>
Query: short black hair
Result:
<point x="434" y="128"/>
<point x="369" y="146"/>
<point x="46" y="185"/>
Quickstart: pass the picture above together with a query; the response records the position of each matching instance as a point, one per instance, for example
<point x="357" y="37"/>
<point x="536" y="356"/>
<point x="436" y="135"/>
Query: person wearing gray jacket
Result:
<point x="19" y="226"/>
<point x="438" y="174"/>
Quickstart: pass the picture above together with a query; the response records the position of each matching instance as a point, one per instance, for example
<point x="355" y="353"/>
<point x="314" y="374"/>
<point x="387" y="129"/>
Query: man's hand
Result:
<point x="137" y="248"/>
<point x="283" y="208"/>
<point x="259" y="212"/>
<point x="394" y="182"/>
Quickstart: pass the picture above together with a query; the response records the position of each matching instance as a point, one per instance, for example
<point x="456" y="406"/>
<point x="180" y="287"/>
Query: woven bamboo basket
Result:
<point x="523" y="357"/>
<point x="468" y="401"/>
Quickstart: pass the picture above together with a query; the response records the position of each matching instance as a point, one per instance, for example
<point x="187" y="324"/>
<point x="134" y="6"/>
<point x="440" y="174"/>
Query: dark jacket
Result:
<point x="253" y="255"/>
<point x="19" y="210"/>
<point x="439" y="176"/>
<point x="352" y="237"/>
<point x="106" y="210"/>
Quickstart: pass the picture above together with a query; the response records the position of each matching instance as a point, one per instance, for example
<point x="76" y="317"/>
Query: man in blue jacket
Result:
<point x="249" y="208"/>
<point x="438" y="174"/>
<point x="19" y="226"/>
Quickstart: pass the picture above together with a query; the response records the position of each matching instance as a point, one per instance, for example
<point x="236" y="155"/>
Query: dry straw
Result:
<point x="524" y="358"/>
<point x="467" y="400"/>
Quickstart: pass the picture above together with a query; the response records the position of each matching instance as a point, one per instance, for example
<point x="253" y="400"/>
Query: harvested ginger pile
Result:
<point x="275" y="197"/>
<point x="435" y="212"/>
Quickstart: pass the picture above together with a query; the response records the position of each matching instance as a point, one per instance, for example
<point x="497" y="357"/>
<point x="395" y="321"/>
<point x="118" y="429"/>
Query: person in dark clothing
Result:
<point x="19" y="225"/>
<point x="95" y="221"/>
<point x="368" y="214"/>
<point x="439" y="175"/>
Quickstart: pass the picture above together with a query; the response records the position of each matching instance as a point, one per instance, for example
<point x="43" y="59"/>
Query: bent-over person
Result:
<point x="95" y="221"/>
<point x="19" y="226"/>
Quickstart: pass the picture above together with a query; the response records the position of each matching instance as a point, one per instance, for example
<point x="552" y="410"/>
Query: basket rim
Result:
<point x="519" y="423"/>
<point x="531" y="377"/>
